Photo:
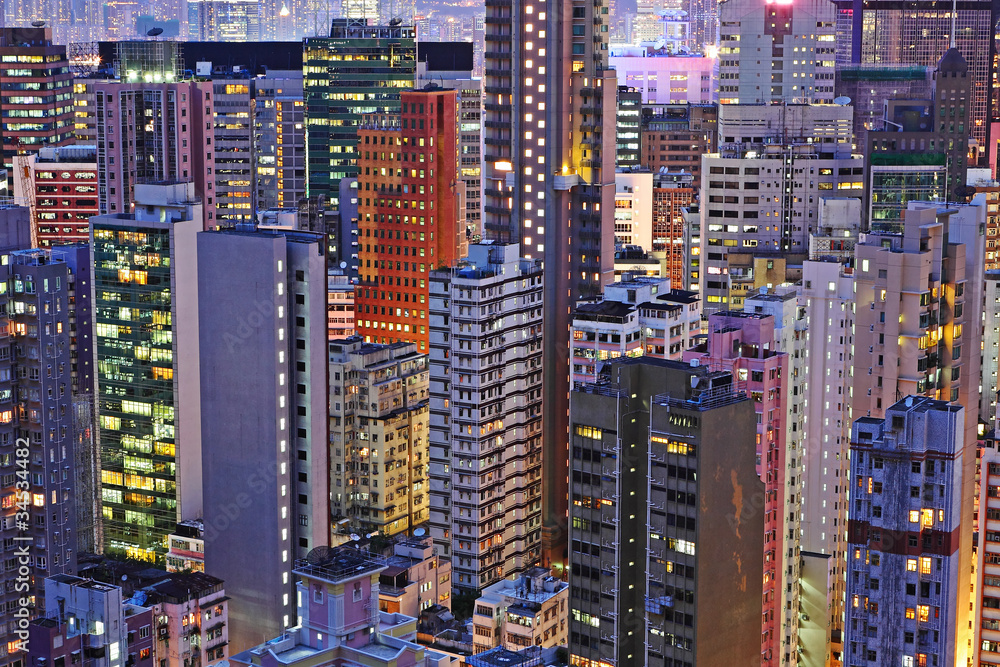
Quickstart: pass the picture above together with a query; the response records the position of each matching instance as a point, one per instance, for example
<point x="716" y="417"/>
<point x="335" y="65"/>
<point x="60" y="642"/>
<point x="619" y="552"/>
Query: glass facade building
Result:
<point x="893" y="187"/>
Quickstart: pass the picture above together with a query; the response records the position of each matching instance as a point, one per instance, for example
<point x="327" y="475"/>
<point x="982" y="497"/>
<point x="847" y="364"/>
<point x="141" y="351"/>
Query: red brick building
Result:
<point x="59" y="183"/>
<point x="410" y="213"/>
<point x="669" y="198"/>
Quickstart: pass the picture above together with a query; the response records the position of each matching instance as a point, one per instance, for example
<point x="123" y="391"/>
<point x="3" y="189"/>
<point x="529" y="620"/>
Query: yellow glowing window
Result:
<point x="911" y="564"/>
<point x="925" y="565"/>
<point x="914" y="516"/>
<point x="911" y="613"/>
<point x="924" y="613"/>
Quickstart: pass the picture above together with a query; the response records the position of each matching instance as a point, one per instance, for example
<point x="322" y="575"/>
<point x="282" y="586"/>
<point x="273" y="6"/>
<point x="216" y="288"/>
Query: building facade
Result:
<point x="59" y="186"/>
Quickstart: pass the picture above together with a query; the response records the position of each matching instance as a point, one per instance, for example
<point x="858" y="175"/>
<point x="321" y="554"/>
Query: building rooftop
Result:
<point x="339" y="564"/>
<point x="180" y="587"/>
<point x="603" y="309"/>
<point x="501" y="657"/>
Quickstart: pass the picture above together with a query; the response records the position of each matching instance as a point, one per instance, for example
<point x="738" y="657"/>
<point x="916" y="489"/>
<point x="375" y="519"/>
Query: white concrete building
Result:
<point x="529" y="610"/>
<point x="639" y="315"/>
<point x="991" y="348"/>
<point x="761" y="192"/>
<point x="828" y="299"/>
<point x="666" y="79"/>
<point x="634" y="208"/>
<point x="776" y="51"/>
<point x="486" y="414"/>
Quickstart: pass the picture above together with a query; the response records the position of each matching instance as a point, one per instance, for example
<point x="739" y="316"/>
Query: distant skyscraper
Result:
<point x="224" y="20"/>
<point x="154" y="132"/>
<point x="776" y="51"/>
<point x="36" y="103"/>
<point x="486" y="415"/>
<point x="411" y="213"/>
<point x="886" y="32"/>
<point x="273" y="336"/>
<point x="549" y="183"/>
<point x="663" y="479"/>
<point x="908" y="577"/>
<point x="146" y="319"/>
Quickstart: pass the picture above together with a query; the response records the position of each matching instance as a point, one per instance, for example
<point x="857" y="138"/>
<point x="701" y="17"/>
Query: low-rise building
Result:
<point x="186" y="547"/>
<point x="191" y="616"/>
<point x="414" y="579"/>
<point x="529" y="610"/>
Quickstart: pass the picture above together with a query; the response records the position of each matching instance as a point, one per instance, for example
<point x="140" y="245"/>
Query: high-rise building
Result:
<point x="279" y="140"/>
<point x="663" y="482"/>
<point x="672" y="192"/>
<point x="920" y="152"/>
<point x="986" y="618"/>
<point x="450" y="65"/>
<point x="675" y="136"/>
<point x="45" y="115"/>
<point x="627" y="127"/>
<point x="379" y="455"/>
<point x="371" y="64"/>
<point x="154" y="132"/>
<point x="145" y="288"/>
<point x="273" y="337"/>
<point x="776" y="52"/>
<point x="224" y="20"/>
<point x="828" y="298"/>
<point x="761" y="193"/>
<point x="870" y="86"/>
<point x="486" y="415"/>
<point x="548" y="181"/>
<point x="660" y="77"/>
<point x="59" y="185"/>
<point x="991" y="347"/>
<point x="411" y="214"/>
<point x="908" y="577"/>
<point x="634" y="208"/>
<point x="38" y="516"/>
<point x="233" y="153"/>
<point x="746" y="343"/>
<point x="884" y="32"/>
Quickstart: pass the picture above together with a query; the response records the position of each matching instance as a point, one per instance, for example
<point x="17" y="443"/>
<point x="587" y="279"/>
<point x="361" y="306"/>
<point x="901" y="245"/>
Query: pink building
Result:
<point x="339" y="619"/>
<point x="666" y="79"/>
<point x="744" y="343"/>
<point x="150" y="133"/>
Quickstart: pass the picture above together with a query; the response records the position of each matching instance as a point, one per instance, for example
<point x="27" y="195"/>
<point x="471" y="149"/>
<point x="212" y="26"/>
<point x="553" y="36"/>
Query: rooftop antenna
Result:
<point x="954" y="16"/>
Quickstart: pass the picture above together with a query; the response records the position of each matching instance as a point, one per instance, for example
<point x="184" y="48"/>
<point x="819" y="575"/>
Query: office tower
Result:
<point x="271" y="336"/>
<point x="908" y="576"/>
<point x="661" y="487"/>
<point x="549" y="182"/>
<point x="776" y="52"/>
<point x="521" y="611"/>
<point x="746" y="344"/>
<point x="373" y="63"/>
<point x="704" y="25"/>
<point x="379" y="456"/>
<point x="921" y="152"/>
<point x="224" y="20"/>
<point x="666" y="78"/>
<point x="45" y="117"/>
<point x="279" y="138"/>
<point x="634" y="208"/>
<point x="671" y="194"/>
<point x="674" y="137"/>
<point x="154" y="132"/>
<point x="339" y="619"/>
<point x="627" y="127"/>
<point x="38" y="517"/>
<point x="991" y="347"/>
<point x="233" y="148"/>
<point x="450" y="65"/>
<point x="828" y="297"/>
<point x="145" y="289"/>
<point x="407" y="162"/>
<point x="761" y="192"/>
<point x="486" y="414"/>
<point x="882" y="32"/>
<point x="870" y="86"/>
<point x="986" y="619"/>
<point x="59" y="186"/>
<point x="635" y="316"/>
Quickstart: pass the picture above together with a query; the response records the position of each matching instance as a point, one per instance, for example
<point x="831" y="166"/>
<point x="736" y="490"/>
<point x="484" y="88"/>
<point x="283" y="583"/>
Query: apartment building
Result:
<point x="279" y="136"/>
<point x="636" y="316"/>
<point x="908" y="581"/>
<point x="672" y="192"/>
<point x="663" y="459"/>
<point x="415" y="578"/>
<point x="986" y="613"/>
<point x="486" y="414"/>
<point x="528" y="610"/>
<point x="634" y="208"/>
<point x="59" y="185"/>
<point x="675" y="136"/>
<point x="379" y="422"/>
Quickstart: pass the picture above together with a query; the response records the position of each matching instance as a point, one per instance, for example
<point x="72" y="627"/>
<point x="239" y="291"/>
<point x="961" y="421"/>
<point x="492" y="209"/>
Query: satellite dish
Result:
<point x="396" y="21"/>
<point x="843" y="100"/>
<point x="37" y="24"/>
<point x="355" y="537"/>
<point x="343" y="265"/>
<point x="318" y="555"/>
<point x="419" y="532"/>
<point x="154" y="32"/>
<point x="124" y="577"/>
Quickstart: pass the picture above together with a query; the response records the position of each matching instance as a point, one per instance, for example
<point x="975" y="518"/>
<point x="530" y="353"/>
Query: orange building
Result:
<point x="411" y="213"/>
